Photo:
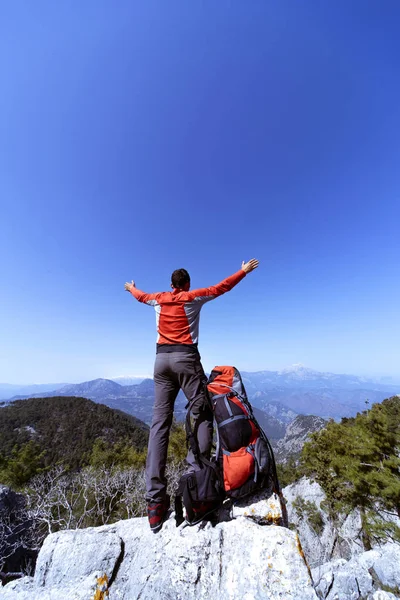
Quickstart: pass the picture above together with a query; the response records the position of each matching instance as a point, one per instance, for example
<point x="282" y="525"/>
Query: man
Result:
<point x="178" y="366"/>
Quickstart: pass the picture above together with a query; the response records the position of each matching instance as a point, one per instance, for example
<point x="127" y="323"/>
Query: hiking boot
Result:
<point x="158" y="513"/>
<point x="202" y="510"/>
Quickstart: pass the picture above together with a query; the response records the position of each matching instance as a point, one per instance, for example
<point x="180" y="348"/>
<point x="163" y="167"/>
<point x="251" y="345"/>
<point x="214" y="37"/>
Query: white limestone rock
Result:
<point x="262" y="508"/>
<point x="344" y="541"/>
<point x="236" y="560"/>
<point x="321" y="546"/>
<point x="340" y="579"/>
<point x="233" y="560"/>
<point x="381" y="595"/>
<point x="97" y="550"/>
<point x="361" y="577"/>
<point x="385" y="562"/>
<point x="83" y="588"/>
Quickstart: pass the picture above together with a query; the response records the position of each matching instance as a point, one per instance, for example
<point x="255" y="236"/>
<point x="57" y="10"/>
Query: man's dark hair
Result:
<point x="180" y="278"/>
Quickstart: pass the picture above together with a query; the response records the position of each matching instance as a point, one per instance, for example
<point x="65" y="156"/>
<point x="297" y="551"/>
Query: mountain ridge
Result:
<point x="282" y="395"/>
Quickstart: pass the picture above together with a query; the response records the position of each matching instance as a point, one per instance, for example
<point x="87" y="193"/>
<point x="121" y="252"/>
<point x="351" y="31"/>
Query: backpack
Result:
<point x="243" y="451"/>
<point x="243" y="462"/>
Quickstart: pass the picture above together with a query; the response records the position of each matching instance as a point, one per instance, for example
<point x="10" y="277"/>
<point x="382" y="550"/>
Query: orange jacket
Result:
<point x="178" y="313"/>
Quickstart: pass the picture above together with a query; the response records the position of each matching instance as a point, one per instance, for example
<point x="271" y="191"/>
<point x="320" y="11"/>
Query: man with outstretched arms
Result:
<point x="178" y="366"/>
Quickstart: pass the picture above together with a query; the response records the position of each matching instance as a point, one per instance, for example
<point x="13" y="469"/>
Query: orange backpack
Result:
<point x="243" y="450"/>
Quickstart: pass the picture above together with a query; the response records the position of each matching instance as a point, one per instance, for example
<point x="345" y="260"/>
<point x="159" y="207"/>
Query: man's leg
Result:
<point x="192" y="380"/>
<point x="166" y="388"/>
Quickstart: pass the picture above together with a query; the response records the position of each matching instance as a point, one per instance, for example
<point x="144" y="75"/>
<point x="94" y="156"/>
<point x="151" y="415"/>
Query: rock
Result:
<point x="342" y="580"/>
<point x="328" y="543"/>
<point x="84" y="588"/>
<point x="297" y="433"/>
<point x="16" y="551"/>
<point x="11" y="503"/>
<point x="261" y="508"/>
<point x="98" y="549"/>
<point x="381" y="595"/>
<point x="384" y="564"/>
<point x="233" y="560"/>
<point x="238" y="559"/>
<point x="361" y="577"/>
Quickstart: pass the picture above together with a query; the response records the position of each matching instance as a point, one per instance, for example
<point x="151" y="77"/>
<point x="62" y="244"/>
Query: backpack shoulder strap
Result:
<point x="178" y="509"/>
<point x="190" y="437"/>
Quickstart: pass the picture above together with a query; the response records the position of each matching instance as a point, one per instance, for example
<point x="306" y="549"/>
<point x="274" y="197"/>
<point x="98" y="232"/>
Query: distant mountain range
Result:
<point x="279" y="395"/>
<point x="300" y="390"/>
<point x="8" y="390"/>
<point x="136" y="400"/>
<point x="299" y="376"/>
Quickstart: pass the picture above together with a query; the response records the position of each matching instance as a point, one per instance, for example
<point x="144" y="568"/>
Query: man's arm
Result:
<point x="206" y="294"/>
<point x="139" y="295"/>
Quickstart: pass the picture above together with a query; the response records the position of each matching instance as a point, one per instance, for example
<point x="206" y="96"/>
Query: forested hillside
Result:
<point x="77" y="464"/>
<point x="39" y="433"/>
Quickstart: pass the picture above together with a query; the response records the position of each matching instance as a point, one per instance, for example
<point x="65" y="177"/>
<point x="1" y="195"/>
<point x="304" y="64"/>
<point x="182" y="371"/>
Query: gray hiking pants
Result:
<point x="174" y="371"/>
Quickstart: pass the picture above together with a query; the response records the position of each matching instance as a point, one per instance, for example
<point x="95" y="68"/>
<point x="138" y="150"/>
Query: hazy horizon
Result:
<point x="393" y="379"/>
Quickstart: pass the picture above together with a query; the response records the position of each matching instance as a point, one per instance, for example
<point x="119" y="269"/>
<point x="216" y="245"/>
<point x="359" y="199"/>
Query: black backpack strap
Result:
<point x="183" y="492"/>
<point x="178" y="509"/>
<point x="192" y="441"/>
<point x="190" y="437"/>
<point x="187" y="500"/>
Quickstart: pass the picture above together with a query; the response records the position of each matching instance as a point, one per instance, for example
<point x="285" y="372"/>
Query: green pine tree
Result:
<point x="357" y="464"/>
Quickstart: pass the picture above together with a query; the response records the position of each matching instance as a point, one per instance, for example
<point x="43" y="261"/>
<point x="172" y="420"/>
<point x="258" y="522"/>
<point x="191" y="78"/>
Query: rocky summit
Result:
<point x="244" y="557"/>
<point x="238" y="559"/>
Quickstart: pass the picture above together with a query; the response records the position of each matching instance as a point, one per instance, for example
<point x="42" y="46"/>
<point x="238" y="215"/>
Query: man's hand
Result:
<point x="129" y="286"/>
<point x="250" y="266"/>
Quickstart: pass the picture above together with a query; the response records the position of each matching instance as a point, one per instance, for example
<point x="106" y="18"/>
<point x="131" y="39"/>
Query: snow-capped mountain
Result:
<point x="300" y="390"/>
<point x="95" y="388"/>
<point x="127" y="379"/>
<point x="298" y="375"/>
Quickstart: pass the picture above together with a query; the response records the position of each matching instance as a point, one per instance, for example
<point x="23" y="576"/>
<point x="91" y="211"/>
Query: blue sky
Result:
<point x="140" y="137"/>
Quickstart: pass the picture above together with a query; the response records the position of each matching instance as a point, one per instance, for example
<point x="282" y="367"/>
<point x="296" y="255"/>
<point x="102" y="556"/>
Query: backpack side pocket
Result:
<point x="262" y="456"/>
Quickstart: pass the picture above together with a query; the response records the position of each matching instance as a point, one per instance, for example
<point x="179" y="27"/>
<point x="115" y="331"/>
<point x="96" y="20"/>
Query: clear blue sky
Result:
<point x="140" y="137"/>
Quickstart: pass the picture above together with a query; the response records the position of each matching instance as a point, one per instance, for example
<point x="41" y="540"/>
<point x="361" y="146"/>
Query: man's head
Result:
<point x="180" y="279"/>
